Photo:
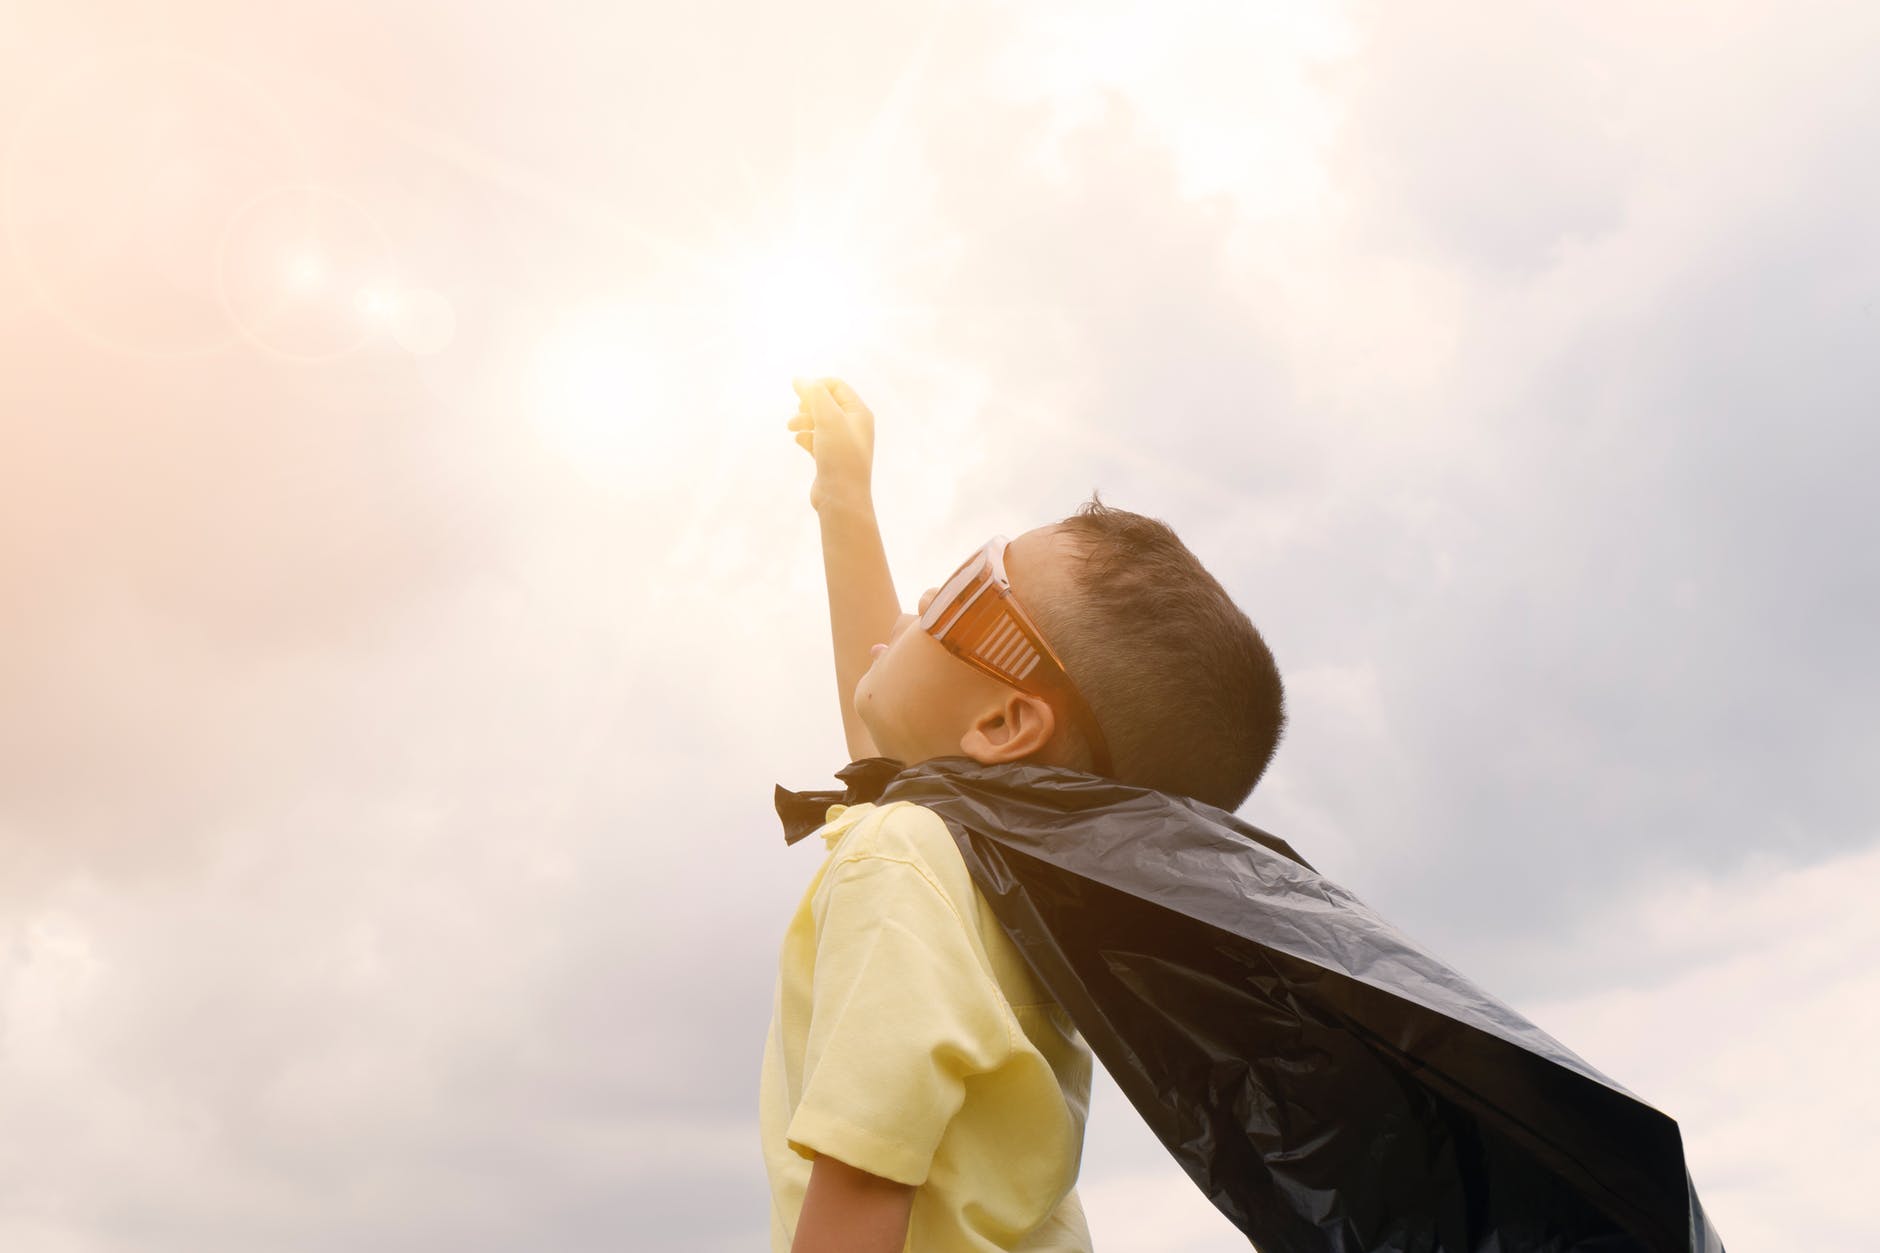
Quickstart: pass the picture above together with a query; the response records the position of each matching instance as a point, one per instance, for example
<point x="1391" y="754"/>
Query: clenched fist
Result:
<point x="836" y="428"/>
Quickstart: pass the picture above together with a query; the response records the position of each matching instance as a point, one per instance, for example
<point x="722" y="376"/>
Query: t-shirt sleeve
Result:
<point x="901" y="1013"/>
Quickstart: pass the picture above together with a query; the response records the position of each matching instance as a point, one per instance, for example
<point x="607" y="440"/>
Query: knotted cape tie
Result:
<point x="866" y="778"/>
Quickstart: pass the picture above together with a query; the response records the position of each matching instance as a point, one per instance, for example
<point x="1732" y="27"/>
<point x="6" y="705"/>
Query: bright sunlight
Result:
<point x="624" y="391"/>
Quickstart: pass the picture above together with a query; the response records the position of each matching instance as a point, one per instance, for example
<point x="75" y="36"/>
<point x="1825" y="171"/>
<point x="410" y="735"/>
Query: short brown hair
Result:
<point x="1184" y="687"/>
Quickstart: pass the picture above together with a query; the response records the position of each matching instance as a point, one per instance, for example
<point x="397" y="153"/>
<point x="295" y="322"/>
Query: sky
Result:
<point x="411" y="594"/>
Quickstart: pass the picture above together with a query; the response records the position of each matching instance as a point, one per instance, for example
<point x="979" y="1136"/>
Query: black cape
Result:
<point x="1330" y="1087"/>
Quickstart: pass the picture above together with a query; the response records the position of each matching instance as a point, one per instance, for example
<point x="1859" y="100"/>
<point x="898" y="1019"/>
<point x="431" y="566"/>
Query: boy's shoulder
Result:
<point x="905" y="831"/>
<point x="899" y="829"/>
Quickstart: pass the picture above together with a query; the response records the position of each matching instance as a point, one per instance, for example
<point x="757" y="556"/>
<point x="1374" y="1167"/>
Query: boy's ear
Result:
<point x="1019" y="726"/>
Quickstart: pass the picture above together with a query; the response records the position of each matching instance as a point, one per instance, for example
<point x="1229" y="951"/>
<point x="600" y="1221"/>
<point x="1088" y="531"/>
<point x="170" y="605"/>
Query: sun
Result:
<point x="634" y="393"/>
<point x="801" y="309"/>
<point x="826" y="276"/>
<point x="813" y="302"/>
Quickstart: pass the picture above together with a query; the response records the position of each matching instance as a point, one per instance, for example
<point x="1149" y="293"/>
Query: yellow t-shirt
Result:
<point x="909" y="1039"/>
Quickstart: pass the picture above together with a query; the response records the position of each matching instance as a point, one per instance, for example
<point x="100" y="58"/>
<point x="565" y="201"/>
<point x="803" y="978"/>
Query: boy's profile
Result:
<point x="920" y="1089"/>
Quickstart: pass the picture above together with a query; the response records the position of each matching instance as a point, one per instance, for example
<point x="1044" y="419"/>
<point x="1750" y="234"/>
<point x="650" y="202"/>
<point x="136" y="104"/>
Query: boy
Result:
<point x="919" y="1089"/>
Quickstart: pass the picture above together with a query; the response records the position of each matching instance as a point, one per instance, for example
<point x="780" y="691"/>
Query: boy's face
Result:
<point x="919" y="701"/>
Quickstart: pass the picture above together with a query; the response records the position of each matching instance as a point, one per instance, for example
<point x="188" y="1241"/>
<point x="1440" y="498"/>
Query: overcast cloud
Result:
<point x="394" y="682"/>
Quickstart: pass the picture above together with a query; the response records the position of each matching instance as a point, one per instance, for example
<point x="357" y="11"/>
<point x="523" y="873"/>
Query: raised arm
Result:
<point x="838" y="429"/>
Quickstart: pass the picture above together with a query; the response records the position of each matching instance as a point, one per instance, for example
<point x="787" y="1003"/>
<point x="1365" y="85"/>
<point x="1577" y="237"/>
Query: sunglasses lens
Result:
<point x="963" y="578"/>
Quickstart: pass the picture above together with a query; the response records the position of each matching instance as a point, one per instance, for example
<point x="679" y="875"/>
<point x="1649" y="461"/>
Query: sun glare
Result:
<point x="803" y="310"/>
<point x="634" y="394"/>
<point x="724" y="323"/>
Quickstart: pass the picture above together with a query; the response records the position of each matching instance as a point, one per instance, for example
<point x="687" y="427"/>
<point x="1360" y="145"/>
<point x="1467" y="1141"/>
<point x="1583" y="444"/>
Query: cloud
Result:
<point x="1746" y="1012"/>
<point x="1637" y="640"/>
<point x="1548" y="422"/>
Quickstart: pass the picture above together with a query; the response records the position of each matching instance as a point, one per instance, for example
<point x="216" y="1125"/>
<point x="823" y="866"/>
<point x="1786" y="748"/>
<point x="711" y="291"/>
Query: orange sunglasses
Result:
<point x="991" y="632"/>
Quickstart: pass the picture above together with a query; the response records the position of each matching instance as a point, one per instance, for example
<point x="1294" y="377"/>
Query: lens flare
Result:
<point x="302" y="271"/>
<point x="306" y="273"/>
<point x="376" y="304"/>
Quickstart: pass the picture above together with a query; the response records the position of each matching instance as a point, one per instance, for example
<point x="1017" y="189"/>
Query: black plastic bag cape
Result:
<point x="1330" y="1087"/>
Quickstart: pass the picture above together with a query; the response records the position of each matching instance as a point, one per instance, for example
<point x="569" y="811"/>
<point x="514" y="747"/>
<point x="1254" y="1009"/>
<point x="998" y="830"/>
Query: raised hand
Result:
<point x="838" y="430"/>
